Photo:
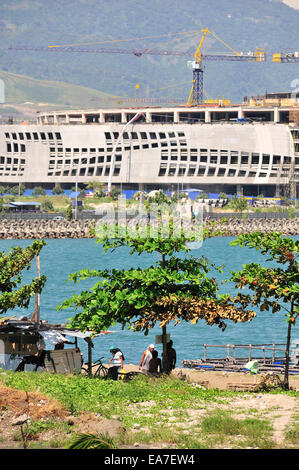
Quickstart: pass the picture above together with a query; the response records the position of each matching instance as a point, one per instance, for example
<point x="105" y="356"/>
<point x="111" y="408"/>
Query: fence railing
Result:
<point x="231" y="350"/>
<point x="206" y="215"/>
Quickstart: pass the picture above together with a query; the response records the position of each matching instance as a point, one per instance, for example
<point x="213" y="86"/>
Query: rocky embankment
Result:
<point x="234" y="227"/>
<point x="42" y="228"/>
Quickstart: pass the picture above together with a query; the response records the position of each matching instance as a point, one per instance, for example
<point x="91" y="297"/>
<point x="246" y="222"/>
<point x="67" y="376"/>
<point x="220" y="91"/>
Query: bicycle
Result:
<point x="101" y="370"/>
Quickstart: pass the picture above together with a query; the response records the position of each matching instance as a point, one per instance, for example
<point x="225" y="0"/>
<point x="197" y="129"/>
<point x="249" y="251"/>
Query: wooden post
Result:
<point x="37" y="308"/>
<point x="89" y="357"/>
<point x="273" y="354"/>
<point x="249" y="356"/>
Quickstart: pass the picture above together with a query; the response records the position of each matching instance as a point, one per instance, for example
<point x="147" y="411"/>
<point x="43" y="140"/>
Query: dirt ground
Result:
<point x="17" y="406"/>
<point x="221" y="380"/>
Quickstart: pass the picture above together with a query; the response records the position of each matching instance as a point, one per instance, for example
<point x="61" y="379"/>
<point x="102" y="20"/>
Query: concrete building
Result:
<point x="244" y="149"/>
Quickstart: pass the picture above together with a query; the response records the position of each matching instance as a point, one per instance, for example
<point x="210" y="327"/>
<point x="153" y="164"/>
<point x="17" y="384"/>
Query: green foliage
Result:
<point x="3" y="190"/>
<point x="238" y="204"/>
<point x="203" y="196"/>
<point x="38" y="191"/>
<point x="48" y="205"/>
<point x="275" y="287"/>
<point x="91" y="441"/>
<point x="97" y="187"/>
<point x="11" y="266"/>
<point x="173" y="289"/>
<point x="158" y="198"/>
<point x="114" y="193"/>
<point x="69" y="213"/>
<point x="110" y="397"/>
<point x="57" y="190"/>
<point x="15" y="190"/>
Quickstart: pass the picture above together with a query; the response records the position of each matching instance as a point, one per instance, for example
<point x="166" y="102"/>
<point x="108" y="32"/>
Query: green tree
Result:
<point x="38" y="191"/>
<point x="173" y="289"/>
<point x="3" y="190"/>
<point x="57" y="190"/>
<point x="11" y="265"/>
<point x="274" y="288"/>
<point x="69" y="213"/>
<point x="238" y="204"/>
<point x="48" y="205"/>
<point x="97" y="187"/>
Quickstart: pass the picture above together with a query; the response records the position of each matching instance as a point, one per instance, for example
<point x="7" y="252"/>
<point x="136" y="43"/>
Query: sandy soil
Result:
<point x="221" y="380"/>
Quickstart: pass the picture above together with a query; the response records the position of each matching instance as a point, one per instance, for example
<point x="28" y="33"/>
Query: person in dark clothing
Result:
<point x="171" y="355"/>
<point x="155" y="366"/>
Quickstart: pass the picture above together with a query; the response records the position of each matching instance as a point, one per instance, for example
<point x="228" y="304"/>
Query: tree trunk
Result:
<point x="286" y="370"/>
<point x="165" y="363"/>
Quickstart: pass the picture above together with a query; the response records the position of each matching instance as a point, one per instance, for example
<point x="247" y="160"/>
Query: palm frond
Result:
<point x="91" y="441"/>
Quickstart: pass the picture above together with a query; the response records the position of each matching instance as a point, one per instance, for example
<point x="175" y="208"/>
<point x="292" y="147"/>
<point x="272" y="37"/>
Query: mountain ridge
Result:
<point x="244" y="25"/>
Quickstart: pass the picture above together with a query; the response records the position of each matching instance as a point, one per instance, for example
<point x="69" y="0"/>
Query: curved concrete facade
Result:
<point x="188" y="151"/>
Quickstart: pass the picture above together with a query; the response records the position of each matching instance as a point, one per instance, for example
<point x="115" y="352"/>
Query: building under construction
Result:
<point x="250" y="149"/>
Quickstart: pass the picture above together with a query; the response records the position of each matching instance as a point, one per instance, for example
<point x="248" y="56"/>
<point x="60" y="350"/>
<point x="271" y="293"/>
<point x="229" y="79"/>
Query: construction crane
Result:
<point x="196" y="94"/>
<point x="286" y="57"/>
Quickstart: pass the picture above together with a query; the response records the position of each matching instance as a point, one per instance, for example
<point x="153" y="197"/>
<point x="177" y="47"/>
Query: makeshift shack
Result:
<point x="23" y="346"/>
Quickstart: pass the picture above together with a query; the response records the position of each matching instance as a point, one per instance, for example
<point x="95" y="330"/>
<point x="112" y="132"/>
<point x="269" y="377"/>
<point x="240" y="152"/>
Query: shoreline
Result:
<point x="42" y="228"/>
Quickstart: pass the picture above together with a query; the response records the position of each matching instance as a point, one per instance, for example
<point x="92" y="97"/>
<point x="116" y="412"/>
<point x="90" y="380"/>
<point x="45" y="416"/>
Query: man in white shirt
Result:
<point x="145" y="359"/>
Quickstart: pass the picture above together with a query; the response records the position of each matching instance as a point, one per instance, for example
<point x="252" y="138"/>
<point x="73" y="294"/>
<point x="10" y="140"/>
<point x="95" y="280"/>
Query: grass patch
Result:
<point x="168" y="410"/>
<point x="292" y="433"/>
<point x="251" y="432"/>
<point x="109" y="397"/>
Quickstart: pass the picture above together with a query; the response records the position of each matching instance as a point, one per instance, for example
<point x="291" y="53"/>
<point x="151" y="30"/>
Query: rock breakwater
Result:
<point x="235" y="227"/>
<point x="42" y="228"/>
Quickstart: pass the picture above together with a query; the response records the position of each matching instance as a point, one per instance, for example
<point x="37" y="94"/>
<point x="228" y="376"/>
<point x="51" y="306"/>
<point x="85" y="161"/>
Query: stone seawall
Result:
<point x="40" y="228"/>
<point x="234" y="227"/>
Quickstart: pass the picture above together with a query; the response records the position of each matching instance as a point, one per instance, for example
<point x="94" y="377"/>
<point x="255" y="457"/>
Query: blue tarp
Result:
<point x="73" y="194"/>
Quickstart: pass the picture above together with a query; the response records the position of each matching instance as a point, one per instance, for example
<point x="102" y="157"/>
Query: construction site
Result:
<point x="250" y="148"/>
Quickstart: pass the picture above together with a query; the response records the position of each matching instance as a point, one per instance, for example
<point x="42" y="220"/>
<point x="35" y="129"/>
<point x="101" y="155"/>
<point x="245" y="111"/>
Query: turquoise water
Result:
<point x="63" y="256"/>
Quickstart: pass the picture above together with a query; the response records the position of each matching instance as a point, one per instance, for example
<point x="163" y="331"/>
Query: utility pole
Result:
<point x="137" y="115"/>
<point x="76" y="197"/>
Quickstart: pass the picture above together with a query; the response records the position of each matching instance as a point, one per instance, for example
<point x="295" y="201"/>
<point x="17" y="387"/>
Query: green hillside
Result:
<point x="20" y="88"/>
<point x="243" y="24"/>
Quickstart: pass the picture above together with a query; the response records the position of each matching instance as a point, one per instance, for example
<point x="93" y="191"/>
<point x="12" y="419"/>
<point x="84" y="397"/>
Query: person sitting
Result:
<point x="155" y="366"/>
<point x="118" y="361"/>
